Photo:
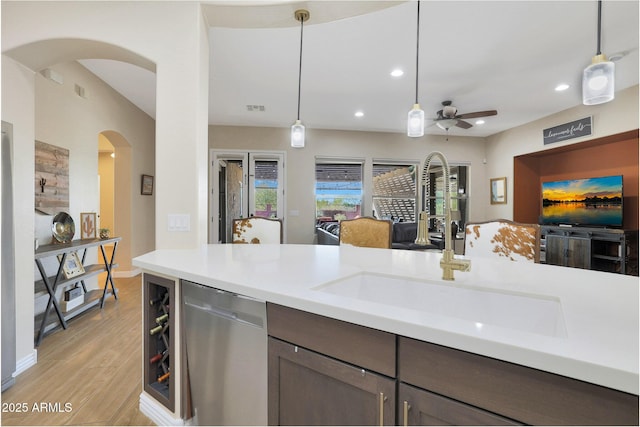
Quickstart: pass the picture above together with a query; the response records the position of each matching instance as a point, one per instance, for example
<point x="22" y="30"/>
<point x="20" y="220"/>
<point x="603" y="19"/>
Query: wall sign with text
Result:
<point x="575" y="129"/>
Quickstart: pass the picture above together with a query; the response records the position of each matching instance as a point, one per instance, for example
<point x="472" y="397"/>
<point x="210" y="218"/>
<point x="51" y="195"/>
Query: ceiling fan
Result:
<point x="449" y="117"/>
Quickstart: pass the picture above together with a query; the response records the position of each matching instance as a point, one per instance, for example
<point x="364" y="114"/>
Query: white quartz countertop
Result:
<point x="591" y="332"/>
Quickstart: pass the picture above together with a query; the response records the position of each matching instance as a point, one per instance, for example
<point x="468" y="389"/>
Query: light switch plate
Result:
<point x="179" y="222"/>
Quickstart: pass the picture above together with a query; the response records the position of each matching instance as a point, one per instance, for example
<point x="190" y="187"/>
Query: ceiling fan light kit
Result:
<point x="298" y="129"/>
<point x="598" y="79"/>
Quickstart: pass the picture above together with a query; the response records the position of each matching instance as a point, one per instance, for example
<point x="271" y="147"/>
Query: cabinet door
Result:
<point x="555" y="250"/>
<point x="579" y="252"/>
<point x="420" y="407"/>
<point x="307" y="388"/>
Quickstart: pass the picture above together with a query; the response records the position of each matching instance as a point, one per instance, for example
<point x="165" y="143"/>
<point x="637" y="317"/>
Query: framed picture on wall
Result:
<point x="498" y="191"/>
<point x="88" y="225"/>
<point x="147" y="185"/>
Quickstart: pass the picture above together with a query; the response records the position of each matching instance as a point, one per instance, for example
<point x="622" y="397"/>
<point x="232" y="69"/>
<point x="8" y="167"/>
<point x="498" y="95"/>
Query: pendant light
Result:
<point x="415" y="119"/>
<point x="297" y="130"/>
<point x="598" y="79"/>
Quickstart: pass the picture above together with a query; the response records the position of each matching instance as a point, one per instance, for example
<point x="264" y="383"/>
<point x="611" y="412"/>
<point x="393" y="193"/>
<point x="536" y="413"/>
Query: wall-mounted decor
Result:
<point x="51" y="178"/>
<point x="498" y="191"/>
<point x="147" y="185"/>
<point x="574" y="129"/>
<point x="88" y="225"/>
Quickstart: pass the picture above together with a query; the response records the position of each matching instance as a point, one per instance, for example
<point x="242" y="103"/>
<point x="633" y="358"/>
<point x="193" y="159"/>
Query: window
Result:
<point x="266" y="188"/>
<point x="338" y="190"/>
<point x="394" y="192"/>
<point x="458" y="191"/>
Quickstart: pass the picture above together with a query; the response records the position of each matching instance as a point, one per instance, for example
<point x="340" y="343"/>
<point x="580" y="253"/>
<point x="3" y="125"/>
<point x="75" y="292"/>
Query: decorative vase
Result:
<point x="104" y="233"/>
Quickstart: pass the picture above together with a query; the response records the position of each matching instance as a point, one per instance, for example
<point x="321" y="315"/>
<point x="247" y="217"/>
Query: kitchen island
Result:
<point x="575" y="324"/>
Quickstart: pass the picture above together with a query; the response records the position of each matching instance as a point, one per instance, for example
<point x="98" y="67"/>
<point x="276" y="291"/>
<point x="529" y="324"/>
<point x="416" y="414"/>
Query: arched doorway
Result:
<point x="116" y="205"/>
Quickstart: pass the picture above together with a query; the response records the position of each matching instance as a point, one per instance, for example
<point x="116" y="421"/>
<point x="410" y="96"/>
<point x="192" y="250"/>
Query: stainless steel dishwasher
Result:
<point x="226" y="342"/>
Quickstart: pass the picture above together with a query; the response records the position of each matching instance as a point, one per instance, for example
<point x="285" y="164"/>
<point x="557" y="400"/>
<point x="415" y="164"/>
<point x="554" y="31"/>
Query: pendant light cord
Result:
<point x="599" y="25"/>
<point x="417" y="49"/>
<point x="300" y="66"/>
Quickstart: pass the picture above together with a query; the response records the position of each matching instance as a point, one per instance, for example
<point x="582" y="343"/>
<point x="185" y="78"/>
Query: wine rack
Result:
<point x="159" y="332"/>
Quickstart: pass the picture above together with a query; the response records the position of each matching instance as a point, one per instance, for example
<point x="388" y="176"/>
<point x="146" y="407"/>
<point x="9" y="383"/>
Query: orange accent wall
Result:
<point x="611" y="155"/>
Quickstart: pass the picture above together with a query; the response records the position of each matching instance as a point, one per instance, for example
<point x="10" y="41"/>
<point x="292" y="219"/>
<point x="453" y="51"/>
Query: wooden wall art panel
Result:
<point x="51" y="184"/>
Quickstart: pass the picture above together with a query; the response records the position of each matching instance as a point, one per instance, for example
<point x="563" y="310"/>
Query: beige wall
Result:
<point x="300" y="163"/>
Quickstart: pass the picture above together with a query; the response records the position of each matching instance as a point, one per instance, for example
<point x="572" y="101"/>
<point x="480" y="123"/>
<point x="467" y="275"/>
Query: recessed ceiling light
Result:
<point x="397" y="73"/>
<point x="561" y="87"/>
<point x="359" y="114"/>
<point x="480" y="122"/>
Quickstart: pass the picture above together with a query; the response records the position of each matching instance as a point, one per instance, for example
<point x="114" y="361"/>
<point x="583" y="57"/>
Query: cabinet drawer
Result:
<point x="417" y="407"/>
<point x="365" y="347"/>
<point x="521" y="393"/>
<point x="307" y="388"/>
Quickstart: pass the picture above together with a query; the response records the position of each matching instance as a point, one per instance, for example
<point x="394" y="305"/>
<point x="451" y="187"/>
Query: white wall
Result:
<point x="300" y="164"/>
<point x="617" y="116"/>
<point x="18" y="108"/>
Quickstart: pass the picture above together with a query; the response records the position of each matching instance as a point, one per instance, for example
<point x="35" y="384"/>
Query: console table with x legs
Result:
<point x="50" y="284"/>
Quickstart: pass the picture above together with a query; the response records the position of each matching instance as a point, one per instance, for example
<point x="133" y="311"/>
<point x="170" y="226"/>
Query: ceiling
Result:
<point x="482" y="55"/>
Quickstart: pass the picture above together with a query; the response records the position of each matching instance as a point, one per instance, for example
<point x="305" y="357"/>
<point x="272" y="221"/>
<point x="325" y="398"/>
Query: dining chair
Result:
<point x="366" y="232"/>
<point x="503" y="239"/>
<point x="256" y="229"/>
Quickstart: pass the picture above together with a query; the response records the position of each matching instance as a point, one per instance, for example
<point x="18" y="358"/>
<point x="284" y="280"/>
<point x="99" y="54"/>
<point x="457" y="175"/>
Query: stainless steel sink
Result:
<point x="523" y="312"/>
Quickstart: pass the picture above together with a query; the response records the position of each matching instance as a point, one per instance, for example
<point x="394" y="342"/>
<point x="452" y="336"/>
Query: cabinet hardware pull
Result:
<point x="405" y="412"/>
<point x="383" y="398"/>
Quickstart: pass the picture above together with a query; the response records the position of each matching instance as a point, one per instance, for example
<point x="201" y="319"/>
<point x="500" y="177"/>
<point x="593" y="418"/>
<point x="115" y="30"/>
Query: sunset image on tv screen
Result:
<point x="590" y="201"/>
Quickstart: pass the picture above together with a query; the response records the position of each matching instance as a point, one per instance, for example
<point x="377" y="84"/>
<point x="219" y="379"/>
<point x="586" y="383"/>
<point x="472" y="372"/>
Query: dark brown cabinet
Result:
<point x="514" y="393"/>
<point x="419" y="407"/>
<point x="324" y="371"/>
<point x="307" y="388"/>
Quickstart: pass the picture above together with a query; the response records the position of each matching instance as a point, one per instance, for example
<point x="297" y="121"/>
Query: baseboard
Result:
<point x="157" y="413"/>
<point x="126" y="274"/>
<point x="26" y="362"/>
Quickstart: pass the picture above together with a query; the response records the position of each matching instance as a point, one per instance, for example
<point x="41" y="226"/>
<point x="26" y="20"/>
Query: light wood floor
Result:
<point x="94" y="367"/>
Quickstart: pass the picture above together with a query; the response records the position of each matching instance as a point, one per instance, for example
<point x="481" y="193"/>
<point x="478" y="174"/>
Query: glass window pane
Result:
<point x="394" y="192"/>
<point x="338" y="191"/>
<point x="266" y="188"/>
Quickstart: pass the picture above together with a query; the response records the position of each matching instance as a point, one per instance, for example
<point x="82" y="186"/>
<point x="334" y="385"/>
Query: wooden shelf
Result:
<point x="90" y="271"/>
<point x="91" y="299"/>
<point x="48" y="285"/>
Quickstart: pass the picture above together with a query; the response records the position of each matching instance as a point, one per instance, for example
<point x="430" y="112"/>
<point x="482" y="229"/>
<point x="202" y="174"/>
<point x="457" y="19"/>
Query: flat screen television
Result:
<point x="583" y="202"/>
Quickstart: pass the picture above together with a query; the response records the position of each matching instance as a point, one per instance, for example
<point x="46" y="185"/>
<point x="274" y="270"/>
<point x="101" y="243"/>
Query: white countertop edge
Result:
<point x="623" y="380"/>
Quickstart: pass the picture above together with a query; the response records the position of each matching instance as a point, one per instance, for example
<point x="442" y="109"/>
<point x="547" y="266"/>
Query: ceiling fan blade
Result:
<point x="464" y="125"/>
<point x="477" y="114"/>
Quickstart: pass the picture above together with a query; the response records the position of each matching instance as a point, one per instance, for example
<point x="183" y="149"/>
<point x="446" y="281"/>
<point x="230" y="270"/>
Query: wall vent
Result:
<point x="259" y="108"/>
<point x="80" y="91"/>
<point x="52" y="75"/>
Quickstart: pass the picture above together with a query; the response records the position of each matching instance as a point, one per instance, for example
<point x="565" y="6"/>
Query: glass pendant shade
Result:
<point x="297" y="135"/>
<point x="446" y="123"/>
<point x="415" y="122"/>
<point x="598" y="81"/>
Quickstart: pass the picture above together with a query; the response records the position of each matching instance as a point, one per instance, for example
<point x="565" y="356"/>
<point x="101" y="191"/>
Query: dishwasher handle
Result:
<point x="244" y="318"/>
